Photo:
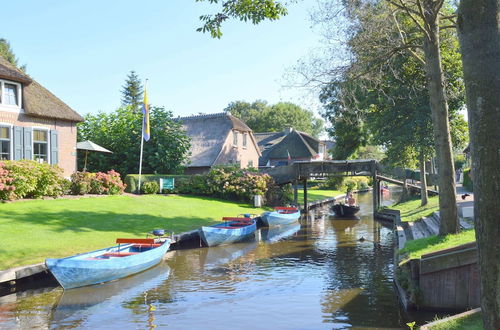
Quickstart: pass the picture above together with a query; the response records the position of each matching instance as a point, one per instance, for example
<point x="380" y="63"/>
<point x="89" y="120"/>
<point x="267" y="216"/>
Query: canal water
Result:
<point x="323" y="274"/>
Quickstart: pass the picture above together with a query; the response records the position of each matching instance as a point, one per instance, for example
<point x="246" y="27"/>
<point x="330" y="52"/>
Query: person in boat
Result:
<point x="350" y="199"/>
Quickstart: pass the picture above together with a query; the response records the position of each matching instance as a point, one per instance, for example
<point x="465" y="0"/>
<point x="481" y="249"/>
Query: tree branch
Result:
<point x="403" y="39"/>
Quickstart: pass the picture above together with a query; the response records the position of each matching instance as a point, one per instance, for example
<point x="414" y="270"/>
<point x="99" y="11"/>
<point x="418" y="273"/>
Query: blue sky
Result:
<point x="83" y="50"/>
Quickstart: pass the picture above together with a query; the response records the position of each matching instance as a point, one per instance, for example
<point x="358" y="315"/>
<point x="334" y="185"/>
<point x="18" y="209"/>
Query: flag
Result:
<point x="289" y="158"/>
<point x="145" y="117"/>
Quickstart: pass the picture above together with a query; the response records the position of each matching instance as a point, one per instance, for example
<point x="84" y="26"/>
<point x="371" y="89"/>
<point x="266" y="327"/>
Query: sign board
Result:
<point x="167" y="183"/>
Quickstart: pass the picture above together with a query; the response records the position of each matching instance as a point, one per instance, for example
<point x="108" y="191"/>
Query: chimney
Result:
<point x="288" y="130"/>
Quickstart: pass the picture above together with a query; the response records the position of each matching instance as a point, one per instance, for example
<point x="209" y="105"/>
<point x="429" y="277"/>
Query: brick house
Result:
<point x="278" y="147"/>
<point x="219" y="139"/>
<point x="34" y="123"/>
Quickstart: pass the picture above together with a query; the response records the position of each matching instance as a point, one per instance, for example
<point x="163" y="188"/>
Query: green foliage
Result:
<point x="132" y="91"/>
<point x="346" y="184"/>
<point x="459" y="160"/>
<point x="120" y="131"/>
<point x="30" y="179"/>
<point x="7" y="53"/>
<point x="468" y="180"/>
<point x="181" y="181"/>
<point x="98" y="183"/>
<point x="468" y="322"/>
<point x="412" y="210"/>
<point x="261" y="117"/>
<point x="150" y="187"/>
<point x="243" y="10"/>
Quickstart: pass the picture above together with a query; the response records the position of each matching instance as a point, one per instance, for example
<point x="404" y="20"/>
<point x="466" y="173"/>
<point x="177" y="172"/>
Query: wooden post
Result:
<point x="306" y="208"/>
<point x="376" y="189"/>
<point x="295" y="193"/>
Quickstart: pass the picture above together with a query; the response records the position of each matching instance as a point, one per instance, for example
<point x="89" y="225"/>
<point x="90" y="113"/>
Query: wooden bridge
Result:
<point x="301" y="172"/>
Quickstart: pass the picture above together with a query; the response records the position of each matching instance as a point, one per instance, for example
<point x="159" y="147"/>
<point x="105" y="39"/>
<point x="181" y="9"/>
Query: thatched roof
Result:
<point x="277" y="145"/>
<point x="208" y="134"/>
<point x="37" y="101"/>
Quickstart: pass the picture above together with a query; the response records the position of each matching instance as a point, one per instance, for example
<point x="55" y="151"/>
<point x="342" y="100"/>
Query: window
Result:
<point x="40" y="145"/>
<point x="245" y="135"/>
<point x="10" y="94"/>
<point x="235" y="138"/>
<point x="4" y="143"/>
<point x="250" y="163"/>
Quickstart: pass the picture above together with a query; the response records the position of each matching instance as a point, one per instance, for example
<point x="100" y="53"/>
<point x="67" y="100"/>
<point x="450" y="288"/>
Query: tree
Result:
<point x="480" y="44"/>
<point x="261" y="117"/>
<point x="132" y="91"/>
<point x="120" y="132"/>
<point x="7" y="53"/>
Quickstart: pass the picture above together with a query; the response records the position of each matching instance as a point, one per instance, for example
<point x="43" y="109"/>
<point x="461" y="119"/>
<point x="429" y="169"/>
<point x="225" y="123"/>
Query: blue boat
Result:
<point x="277" y="233"/>
<point x="230" y="231"/>
<point x="280" y="216"/>
<point x="130" y="256"/>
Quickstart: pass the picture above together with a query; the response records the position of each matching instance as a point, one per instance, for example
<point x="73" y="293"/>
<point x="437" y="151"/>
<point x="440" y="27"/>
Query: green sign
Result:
<point x="167" y="183"/>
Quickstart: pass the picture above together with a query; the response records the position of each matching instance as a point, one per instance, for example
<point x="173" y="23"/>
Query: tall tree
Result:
<point x="479" y="32"/>
<point x="261" y="117"/>
<point x="132" y="91"/>
<point x="7" y="53"/>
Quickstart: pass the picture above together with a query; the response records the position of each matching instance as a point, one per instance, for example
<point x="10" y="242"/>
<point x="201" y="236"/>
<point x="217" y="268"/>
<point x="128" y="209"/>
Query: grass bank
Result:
<point x="468" y="322"/>
<point x="316" y="194"/>
<point x="417" y="248"/>
<point x="412" y="211"/>
<point x="31" y="231"/>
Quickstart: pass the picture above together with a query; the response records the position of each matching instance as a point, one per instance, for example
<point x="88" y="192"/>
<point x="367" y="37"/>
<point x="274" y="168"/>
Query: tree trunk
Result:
<point x="479" y="34"/>
<point x="423" y="181"/>
<point x="439" y="110"/>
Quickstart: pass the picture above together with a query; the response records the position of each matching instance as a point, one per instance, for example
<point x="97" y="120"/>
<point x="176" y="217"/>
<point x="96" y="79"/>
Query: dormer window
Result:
<point x="10" y="94"/>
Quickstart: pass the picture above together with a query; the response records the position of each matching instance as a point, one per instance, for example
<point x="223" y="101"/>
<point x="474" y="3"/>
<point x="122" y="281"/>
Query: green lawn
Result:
<point x="314" y="194"/>
<point x="412" y="211"/>
<point x="31" y="231"/>
<point x="416" y="248"/>
<point x="469" y="322"/>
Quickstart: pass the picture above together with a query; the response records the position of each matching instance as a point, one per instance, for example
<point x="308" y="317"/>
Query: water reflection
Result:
<point x="326" y="273"/>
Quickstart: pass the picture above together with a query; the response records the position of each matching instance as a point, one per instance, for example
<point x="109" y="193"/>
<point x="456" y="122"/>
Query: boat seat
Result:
<point x="135" y="240"/>
<point x="119" y="254"/>
<point x="146" y="245"/>
<point x="236" y="219"/>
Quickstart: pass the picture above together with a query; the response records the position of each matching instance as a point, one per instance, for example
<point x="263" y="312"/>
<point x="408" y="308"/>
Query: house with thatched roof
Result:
<point x="219" y="139"/>
<point x="34" y="123"/>
<point x="288" y="146"/>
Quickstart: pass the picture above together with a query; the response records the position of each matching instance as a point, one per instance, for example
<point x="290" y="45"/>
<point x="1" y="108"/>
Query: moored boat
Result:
<point x="230" y="231"/>
<point x="344" y="211"/>
<point x="281" y="216"/>
<point x="130" y="256"/>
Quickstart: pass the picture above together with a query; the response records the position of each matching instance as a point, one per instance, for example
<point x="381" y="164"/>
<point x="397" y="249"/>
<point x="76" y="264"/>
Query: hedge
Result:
<point x="467" y="179"/>
<point x="132" y="180"/>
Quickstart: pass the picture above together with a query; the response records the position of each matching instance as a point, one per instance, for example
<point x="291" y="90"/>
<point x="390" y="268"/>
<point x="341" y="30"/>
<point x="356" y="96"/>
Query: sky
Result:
<point x="82" y="51"/>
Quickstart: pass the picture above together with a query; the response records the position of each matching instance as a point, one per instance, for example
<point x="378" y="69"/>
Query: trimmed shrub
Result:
<point x="150" y="187"/>
<point x="80" y="183"/>
<point x="468" y="179"/>
<point x="6" y="186"/>
<point x="98" y="183"/>
<point x="132" y="180"/>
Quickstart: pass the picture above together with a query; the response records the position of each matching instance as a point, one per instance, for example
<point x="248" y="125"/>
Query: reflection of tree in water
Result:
<point x="359" y="289"/>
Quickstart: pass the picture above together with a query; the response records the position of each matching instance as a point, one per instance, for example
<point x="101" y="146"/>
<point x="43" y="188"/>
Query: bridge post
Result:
<point x="376" y="189"/>
<point x="306" y="208"/>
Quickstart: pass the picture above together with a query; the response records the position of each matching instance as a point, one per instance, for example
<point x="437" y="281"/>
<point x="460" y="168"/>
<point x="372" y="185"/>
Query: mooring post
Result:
<point x="295" y="193"/>
<point x="376" y="189"/>
<point x="306" y="208"/>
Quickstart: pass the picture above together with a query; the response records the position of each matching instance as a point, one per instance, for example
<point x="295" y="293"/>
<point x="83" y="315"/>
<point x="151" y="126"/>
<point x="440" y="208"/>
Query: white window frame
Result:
<point x="235" y="138"/>
<point x="11" y="107"/>
<point x="245" y="140"/>
<point x="11" y="131"/>
<point x="38" y="128"/>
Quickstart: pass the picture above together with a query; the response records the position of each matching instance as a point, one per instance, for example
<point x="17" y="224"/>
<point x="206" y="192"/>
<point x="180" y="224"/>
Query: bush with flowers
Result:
<point x="98" y="183"/>
<point x="30" y="179"/>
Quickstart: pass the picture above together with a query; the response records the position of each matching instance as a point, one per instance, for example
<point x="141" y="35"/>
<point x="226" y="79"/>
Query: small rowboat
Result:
<point x="130" y="256"/>
<point x="281" y="216"/>
<point x="230" y="231"/>
<point x="344" y="211"/>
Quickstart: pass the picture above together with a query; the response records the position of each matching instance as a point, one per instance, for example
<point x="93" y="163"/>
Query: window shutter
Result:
<point x="28" y="143"/>
<point x="54" y="147"/>
<point x="18" y="143"/>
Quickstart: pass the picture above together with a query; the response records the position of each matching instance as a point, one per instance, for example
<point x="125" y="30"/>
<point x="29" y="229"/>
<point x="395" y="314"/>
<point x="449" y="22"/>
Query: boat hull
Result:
<point x="215" y="235"/>
<point x="344" y="211"/>
<point x="275" y="218"/>
<point x="84" y="269"/>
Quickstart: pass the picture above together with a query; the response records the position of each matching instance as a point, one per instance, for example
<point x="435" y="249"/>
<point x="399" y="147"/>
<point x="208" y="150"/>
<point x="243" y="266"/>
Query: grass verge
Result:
<point x="412" y="211"/>
<point x="316" y="194"/>
<point x="31" y="231"/>
<point x="469" y="322"/>
<point x="416" y="248"/>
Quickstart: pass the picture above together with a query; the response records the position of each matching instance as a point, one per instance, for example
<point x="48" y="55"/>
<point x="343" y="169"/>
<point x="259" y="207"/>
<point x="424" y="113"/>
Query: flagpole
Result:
<point x="142" y="144"/>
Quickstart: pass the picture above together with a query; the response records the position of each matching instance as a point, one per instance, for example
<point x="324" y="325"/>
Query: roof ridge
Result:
<point x="206" y="115"/>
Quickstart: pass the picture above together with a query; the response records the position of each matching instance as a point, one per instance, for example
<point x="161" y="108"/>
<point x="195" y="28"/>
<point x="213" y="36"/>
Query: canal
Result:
<point x="324" y="274"/>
